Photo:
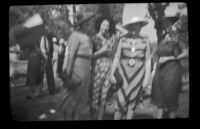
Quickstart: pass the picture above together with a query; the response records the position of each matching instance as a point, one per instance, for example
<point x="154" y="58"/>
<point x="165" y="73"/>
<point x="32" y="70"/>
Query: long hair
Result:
<point x="110" y="20"/>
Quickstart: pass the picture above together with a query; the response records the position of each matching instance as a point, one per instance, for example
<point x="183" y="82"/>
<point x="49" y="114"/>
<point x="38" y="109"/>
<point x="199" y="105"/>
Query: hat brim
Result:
<point x="143" y="23"/>
<point x="83" y="20"/>
<point x="171" y="19"/>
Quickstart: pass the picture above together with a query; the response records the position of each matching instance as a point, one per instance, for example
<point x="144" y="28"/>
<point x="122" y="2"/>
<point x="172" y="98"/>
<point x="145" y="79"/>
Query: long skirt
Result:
<point x="129" y="94"/>
<point x="35" y="72"/>
<point x="167" y="85"/>
<point x="77" y="98"/>
<point x="100" y="84"/>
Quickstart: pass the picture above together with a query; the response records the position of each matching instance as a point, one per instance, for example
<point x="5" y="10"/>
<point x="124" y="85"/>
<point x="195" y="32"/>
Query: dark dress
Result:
<point x="167" y="80"/>
<point x="35" y="71"/>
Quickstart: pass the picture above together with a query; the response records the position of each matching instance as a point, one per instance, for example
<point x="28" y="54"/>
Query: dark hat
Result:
<point x="163" y="20"/>
<point x="82" y="18"/>
<point x="173" y="19"/>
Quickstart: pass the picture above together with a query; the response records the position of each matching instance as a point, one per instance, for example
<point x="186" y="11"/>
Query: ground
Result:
<point x="24" y="109"/>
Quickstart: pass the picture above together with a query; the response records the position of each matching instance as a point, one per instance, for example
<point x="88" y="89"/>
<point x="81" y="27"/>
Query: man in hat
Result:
<point x="78" y="68"/>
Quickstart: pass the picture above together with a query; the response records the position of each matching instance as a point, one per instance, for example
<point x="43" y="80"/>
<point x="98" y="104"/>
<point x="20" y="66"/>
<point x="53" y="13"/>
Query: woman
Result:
<point x="167" y="80"/>
<point x="35" y="72"/>
<point x="102" y="44"/>
<point x="133" y="59"/>
<point x="13" y="58"/>
<point x="77" y="70"/>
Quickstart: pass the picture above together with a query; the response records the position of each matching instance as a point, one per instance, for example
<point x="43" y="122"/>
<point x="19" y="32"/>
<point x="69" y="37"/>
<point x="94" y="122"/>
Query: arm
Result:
<point x="121" y="30"/>
<point x="101" y="51"/>
<point x="116" y="59"/>
<point x="184" y="54"/>
<point x="147" y="66"/>
<point x="65" y="58"/>
<point x="73" y="48"/>
<point x="42" y="47"/>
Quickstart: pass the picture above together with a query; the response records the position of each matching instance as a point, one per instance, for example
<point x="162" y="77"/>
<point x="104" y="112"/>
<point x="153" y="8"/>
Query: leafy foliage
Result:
<point x="156" y="12"/>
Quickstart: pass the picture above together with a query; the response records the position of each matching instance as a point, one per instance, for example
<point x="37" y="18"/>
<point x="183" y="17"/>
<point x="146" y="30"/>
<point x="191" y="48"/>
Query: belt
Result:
<point x="84" y="56"/>
<point x="134" y="58"/>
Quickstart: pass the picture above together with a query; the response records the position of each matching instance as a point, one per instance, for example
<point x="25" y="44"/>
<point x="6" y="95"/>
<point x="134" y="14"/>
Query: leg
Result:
<point x="78" y="108"/>
<point x="50" y="77"/>
<point x="68" y="109"/>
<point x="101" y="112"/>
<point x="160" y="113"/>
<point x="12" y="82"/>
<point x="172" y="114"/>
<point x="60" y="63"/>
<point x="82" y="99"/>
<point x="130" y="112"/>
<point x="31" y="94"/>
<point x="37" y="90"/>
<point x="117" y="114"/>
<point x="41" y="87"/>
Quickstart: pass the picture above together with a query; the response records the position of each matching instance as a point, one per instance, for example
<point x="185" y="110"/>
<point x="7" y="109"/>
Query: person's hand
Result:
<point x="145" y="84"/>
<point x="163" y="59"/>
<point x="113" y="80"/>
<point x="45" y="58"/>
<point x="105" y="47"/>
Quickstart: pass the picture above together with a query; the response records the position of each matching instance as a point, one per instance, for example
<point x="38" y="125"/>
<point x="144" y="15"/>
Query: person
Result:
<point x="133" y="62"/>
<point x="46" y="46"/>
<point x="35" y="72"/>
<point x="101" y="64"/>
<point x="78" y="69"/>
<point x="167" y="80"/>
<point x="60" y="56"/>
<point x="55" y="56"/>
<point x="13" y="58"/>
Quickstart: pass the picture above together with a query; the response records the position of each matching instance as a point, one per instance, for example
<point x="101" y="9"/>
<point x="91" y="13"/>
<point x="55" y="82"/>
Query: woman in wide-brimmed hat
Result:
<point x="133" y="62"/>
<point x="167" y="80"/>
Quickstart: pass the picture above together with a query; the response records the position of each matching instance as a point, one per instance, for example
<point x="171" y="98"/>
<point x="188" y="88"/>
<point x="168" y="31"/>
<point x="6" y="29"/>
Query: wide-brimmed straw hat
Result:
<point x="83" y="17"/>
<point x="135" y="20"/>
<point x="33" y="21"/>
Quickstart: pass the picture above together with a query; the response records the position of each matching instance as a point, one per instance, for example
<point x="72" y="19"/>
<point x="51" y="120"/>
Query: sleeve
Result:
<point x="95" y="44"/>
<point x="72" y="50"/>
<point x="177" y="49"/>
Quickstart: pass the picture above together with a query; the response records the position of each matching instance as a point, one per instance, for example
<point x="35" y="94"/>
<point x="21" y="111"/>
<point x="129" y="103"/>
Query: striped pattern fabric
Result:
<point x="133" y="76"/>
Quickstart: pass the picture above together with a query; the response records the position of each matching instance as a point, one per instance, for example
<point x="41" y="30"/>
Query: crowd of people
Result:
<point x="114" y="66"/>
